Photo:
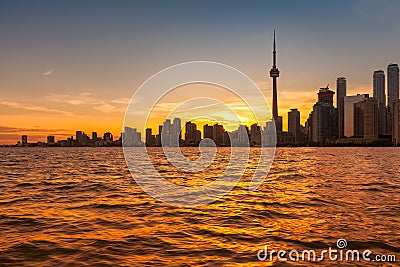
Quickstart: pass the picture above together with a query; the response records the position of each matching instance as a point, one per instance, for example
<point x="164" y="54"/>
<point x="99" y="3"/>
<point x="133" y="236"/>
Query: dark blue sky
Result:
<point x="159" y="33"/>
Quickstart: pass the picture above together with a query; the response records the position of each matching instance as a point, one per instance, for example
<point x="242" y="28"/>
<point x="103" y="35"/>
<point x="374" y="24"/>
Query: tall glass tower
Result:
<point x="393" y="93"/>
<point x="341" y="92"/>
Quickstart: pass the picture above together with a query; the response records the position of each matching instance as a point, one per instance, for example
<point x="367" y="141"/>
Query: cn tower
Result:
<point x="274" y="73"/>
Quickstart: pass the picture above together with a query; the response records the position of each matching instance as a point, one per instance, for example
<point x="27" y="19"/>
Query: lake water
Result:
<point x="81" y="207"/>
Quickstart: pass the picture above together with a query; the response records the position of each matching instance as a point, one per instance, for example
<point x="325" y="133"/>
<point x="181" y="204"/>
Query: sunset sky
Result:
<point x="74" y="65"/>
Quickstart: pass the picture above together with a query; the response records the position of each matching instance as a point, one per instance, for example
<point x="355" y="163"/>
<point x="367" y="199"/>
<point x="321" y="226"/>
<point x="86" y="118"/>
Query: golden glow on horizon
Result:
<point x="202" y="104"/>
<point x="90" y="112"/>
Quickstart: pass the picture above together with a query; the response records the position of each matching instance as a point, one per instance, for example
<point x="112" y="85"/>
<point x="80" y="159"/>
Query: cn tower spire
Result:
<point x="274" y="74"/>
<point x="274" y="53"/>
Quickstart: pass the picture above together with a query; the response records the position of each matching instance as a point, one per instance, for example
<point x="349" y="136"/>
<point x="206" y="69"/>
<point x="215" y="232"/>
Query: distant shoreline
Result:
<point x="278" y="146"/>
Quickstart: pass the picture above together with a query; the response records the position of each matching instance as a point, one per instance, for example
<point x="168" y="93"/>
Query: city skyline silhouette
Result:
<point x="377" y="120"/>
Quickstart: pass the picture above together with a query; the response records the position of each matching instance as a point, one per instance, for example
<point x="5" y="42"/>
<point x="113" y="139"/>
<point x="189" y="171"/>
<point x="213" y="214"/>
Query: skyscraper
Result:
<point x="322" y="123"/>
<point x="166" y="133"/>
<point x="192" y="135"/>
<point x="349" y="102"/>
<point x="108" y="137"/>
<point x="94" y="137"/>
<point x="158" y="136"/>
<point x="150" y="138"/>
<point x="325" y="96"/>
<point x="379" y="86"/>
<point x="24" y="140"/>
<point x="274" y="74"/>
<point x="341" y="92"/>
<point x="243" y="136"/>
<point x="190" y="131"/>
<point x="176" y="132"/>
<point x="255" y="135"/>
<point x="393" y="93"/>
<point x="79" y="136"/>
<point x="130" y="137"/>
<point x="171" y="133"/>
<point x="218" y="134"/>
<point x="82" y="138"/>
<point x="294" y="124"/>
<point x="207" y="131"/>
<point x="366" y="119"/>
<point x="50" y="140"/>
<point x="380" y="96"/>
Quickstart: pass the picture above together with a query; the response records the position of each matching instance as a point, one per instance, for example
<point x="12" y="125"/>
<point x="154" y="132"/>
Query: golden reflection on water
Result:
<point x="80" y="206"/>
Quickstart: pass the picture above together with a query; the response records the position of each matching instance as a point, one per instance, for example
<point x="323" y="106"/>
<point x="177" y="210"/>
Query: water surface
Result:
<point x="81" y="207"/>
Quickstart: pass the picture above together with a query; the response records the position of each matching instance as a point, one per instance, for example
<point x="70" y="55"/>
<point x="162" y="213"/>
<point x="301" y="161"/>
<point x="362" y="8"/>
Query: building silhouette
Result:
<point x="393" y="93"/>
<point x="322" y="124"/>
<point x="94" y="137"/>
<point x="255" y="135"/>
<point x="130" y="137"/>
<point x="379" y="86"/>
<point x="50" y="140"/>
<point x="242" y="136"/>
<point x="218" y="134"/>
<point x="192" y="135"/>
<point x="170" y="133"/>
<point x="158" y="136"/>
<point x="380" y="96"/>
<point x="349" y="102"/>
<point x="175" y="138"/>
<point x="24" y="140"/>
<point x="207" y="131"/>
<point x="166" y="133"/>
<point x="341" y="92"/>
<point x="325" y="96"/>
<point x="81" y="138"/>
<point x="150" y="138"/>
<point x="366" y="114"/>
<point x="108" y="137"/>
<point x="294" y="127"/>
